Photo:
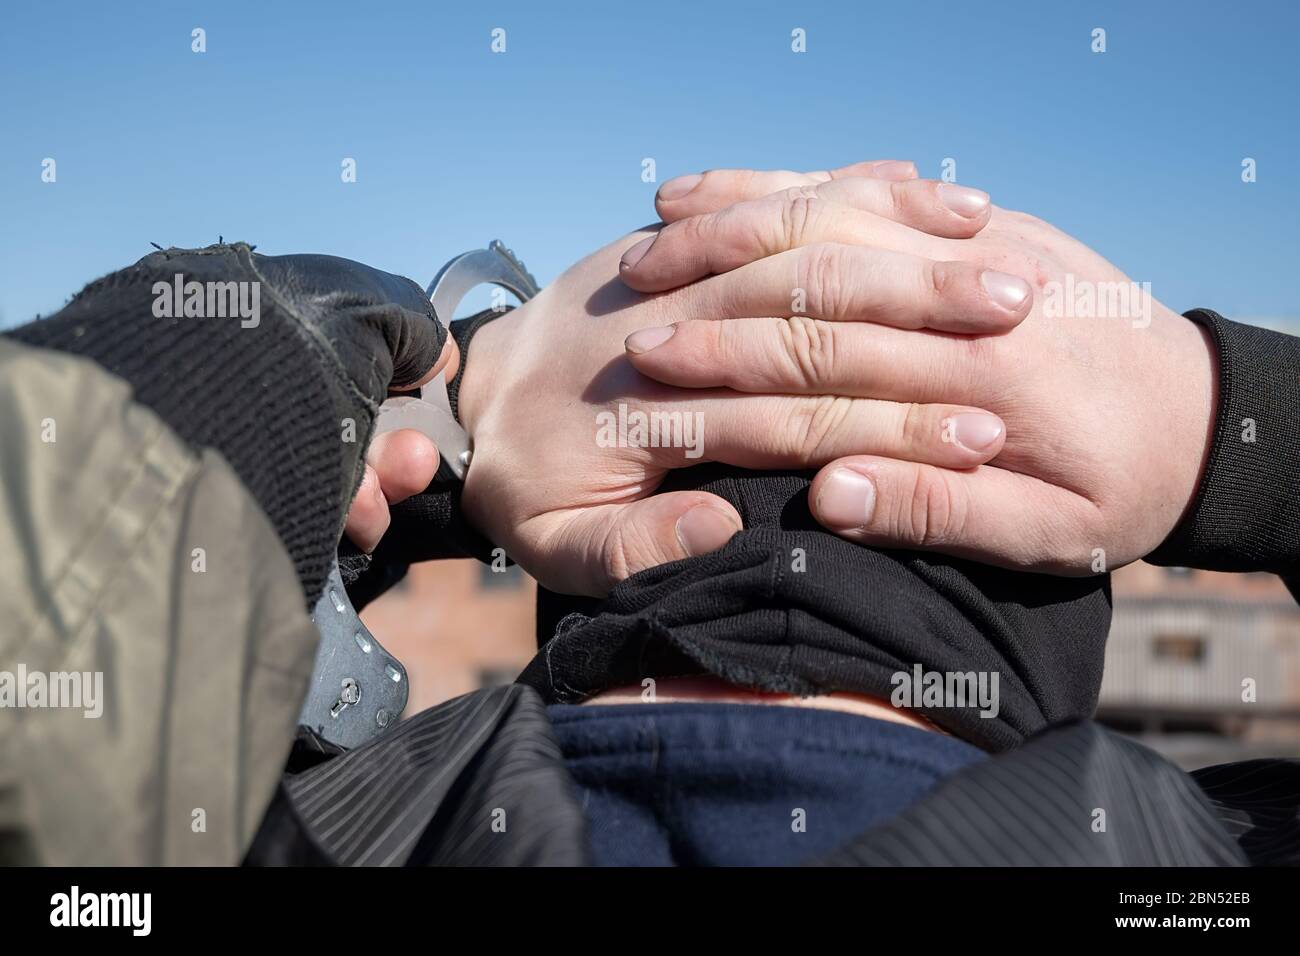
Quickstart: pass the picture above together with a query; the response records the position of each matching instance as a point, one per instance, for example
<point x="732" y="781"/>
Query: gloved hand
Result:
<point x="380" y="326"/>
<point x="278" y="363"/>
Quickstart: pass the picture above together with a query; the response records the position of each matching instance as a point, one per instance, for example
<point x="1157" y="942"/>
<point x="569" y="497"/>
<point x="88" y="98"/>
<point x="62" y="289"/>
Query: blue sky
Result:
<point x="1136" y="151"/>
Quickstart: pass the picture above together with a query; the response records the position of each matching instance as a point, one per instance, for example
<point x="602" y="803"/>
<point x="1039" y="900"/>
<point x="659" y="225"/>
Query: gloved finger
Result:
<point x="989" y="514"/>
<point x="405" y="462"/>
<point x="447" y="365"/>
<point x="368" y="516"/>
<point x="613" y="542"/>
<point x="843" y="211"/>
<point x="381" y="325"/>
<point x="715" y="189"/>
<point x="418" y="345"/>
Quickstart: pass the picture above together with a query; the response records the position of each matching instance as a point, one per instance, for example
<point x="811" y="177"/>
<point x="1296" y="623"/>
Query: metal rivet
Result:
<point x="349" y="694"/>
<point x="363" y="642"/>
<point x="334" y="599"/>
<point x="393" y="674"/>
<point x="381" y="717"/>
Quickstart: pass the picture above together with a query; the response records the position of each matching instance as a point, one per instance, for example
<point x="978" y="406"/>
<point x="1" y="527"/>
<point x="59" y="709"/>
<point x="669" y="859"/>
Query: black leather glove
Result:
<point x="426" y="526"/>
<point x="283" y="378"/>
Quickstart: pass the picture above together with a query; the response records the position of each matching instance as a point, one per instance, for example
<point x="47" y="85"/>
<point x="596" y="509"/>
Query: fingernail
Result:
<point x="975" y="430"/>
<point x="704" y="529"/>
<point x="679" y="187"/>
<point x="963" y="200"/>
<point x="636" y="253"/>
<point x="847" y="500"/>
<point x="894" y="169"/>
<point x="1006" y="290"/>
<point x="647" y="339"/>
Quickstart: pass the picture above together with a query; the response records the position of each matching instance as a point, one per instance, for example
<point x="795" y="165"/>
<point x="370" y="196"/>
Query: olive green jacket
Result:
<point x="144" y="591"/>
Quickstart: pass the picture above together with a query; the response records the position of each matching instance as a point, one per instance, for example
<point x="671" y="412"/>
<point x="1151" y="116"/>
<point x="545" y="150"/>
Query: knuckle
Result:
<point x="716" y="240"/>
<point x="720" y="344"/>
<point x="942" y="279"/>
<point x="915" y="429"/>
<point x="632" y="547"/>
<point x="899" y="201"/>
<point x="613" y="569"/>
<point x="936" y="511"/>
<point x="616" y="558"/>
<point x="822" y="274"/>
<point x="810" y="190"/>
<point x="713" y="178"/>
<point x="801" y="217"/>
<point x="696" y="230"/>
<point x="809" y="350"/>
<point x="746" y="182"/>
<point x="814" y="422"/>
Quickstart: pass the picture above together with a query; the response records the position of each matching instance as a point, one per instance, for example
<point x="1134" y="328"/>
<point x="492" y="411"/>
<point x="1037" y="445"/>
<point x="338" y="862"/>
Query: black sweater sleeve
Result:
<point x="1246" y="512"/>
<point x="287" y="394"/>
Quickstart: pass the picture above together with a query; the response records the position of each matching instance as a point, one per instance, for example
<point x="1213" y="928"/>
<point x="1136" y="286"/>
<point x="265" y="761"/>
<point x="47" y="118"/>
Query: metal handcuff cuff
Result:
<point x="358" y="690"/>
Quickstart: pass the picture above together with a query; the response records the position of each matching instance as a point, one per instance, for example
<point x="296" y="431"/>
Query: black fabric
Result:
<point x="463" y="331"/>
<point x="1246" y="512"/>
<point x="851" y="620"/>
<point x="424" y="527"/>
<point x="428" y="793"/>
<point x="477" y="780"/>
<point x="1075" y="795"/>
<point x="1258" y="801"/>
<point x="271" y="393"/>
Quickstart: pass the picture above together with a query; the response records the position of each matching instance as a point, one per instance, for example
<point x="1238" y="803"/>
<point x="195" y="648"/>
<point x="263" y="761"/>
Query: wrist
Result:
<point x="482" y="361"/>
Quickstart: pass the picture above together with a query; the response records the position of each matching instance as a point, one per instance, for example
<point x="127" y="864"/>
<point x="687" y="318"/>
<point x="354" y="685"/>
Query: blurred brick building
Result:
<point x="1204" y="666"/>
<point x="1182" y="643"/>
<point x="457" y="626"/>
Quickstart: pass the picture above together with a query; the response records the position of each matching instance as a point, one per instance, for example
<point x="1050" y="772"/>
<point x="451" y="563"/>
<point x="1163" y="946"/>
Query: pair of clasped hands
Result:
<point x="885" y="329"/>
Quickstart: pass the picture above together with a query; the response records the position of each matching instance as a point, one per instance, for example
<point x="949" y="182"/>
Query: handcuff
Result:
<point x="358" y="689"/>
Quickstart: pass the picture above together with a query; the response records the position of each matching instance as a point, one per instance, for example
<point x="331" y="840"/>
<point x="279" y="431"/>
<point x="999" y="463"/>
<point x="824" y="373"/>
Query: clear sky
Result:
<point x="1137" y="151"/>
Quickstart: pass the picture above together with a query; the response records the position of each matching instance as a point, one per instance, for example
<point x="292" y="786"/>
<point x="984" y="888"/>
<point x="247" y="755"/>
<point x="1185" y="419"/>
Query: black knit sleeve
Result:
<point x="1246" y="513"/>
<point x="286" y="390"/>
